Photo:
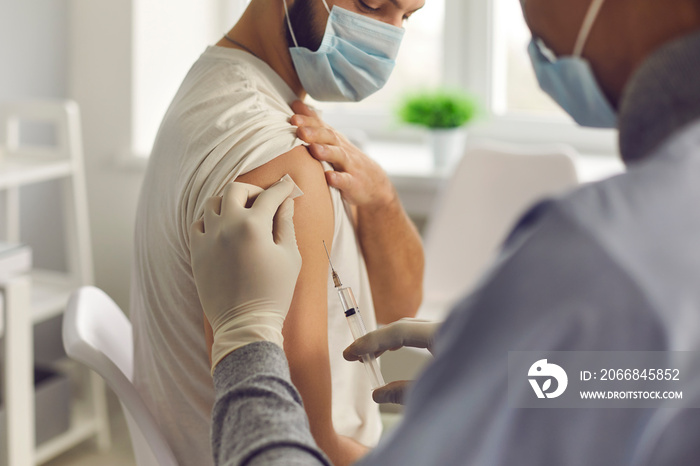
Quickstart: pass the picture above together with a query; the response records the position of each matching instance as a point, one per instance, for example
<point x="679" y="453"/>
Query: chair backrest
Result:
<point x="491" y="188"/>
<point x="98" y="334"/>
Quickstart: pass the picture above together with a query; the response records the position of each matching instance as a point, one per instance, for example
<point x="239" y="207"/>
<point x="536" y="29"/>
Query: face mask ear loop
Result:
<point x="326" y="5"/>
<point x="289" y="23"/>
<point x="588" y="22"/>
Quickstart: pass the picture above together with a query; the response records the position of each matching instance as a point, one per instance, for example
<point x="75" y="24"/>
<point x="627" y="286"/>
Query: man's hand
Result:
<point x="361" y="180"/>
<point x="416" y="333"/>
<point x="245" y="263"/>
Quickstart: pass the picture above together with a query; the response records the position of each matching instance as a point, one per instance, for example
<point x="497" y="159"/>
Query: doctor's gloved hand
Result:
<point x="245" y="263"/>
<point x="416" y="333"/>
<point x="362" y="182"/>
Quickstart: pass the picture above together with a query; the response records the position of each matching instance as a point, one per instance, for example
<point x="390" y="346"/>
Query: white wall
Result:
<point x="33" y="51"/>
<point x="100" y="77"/>
<point x="127" y="59"/>
<point x="168" y="36"/>
<point x="78" y="49"/>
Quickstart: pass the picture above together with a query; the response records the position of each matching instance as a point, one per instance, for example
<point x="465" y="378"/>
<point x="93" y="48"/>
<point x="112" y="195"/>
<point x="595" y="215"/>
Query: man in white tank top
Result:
<point x="229" y="120"/>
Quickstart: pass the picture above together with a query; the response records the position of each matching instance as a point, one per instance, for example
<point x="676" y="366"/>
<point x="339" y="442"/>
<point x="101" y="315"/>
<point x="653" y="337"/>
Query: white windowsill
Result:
<point x="411" y="160"/>
<point x="409" y="166"/>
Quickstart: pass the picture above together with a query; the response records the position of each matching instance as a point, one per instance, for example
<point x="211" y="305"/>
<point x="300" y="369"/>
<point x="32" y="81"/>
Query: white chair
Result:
<point x="491" y="188"/>
<point x="98" y="334"/>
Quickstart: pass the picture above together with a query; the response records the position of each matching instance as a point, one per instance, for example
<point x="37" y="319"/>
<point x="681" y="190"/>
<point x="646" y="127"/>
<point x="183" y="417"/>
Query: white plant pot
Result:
<point x="448" y="147"/>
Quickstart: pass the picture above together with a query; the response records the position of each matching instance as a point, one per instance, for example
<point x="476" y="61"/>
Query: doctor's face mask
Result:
<point x="354" y="59"/>
<point x="570" y="80"/>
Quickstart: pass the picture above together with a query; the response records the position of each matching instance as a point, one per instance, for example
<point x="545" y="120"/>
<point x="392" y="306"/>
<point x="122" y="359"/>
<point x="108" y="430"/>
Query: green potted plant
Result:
<point x="445" y="112"/>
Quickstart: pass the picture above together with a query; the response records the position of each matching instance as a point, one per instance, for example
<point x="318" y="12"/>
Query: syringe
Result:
<point x="357" y="326"/>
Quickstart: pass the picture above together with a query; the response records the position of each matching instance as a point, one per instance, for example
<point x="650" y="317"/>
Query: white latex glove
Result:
<point x="245" y="263"/>
<point x="416" y="333"/>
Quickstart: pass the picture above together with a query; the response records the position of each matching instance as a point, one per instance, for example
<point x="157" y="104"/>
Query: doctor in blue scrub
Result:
<point x="610" y="266"/>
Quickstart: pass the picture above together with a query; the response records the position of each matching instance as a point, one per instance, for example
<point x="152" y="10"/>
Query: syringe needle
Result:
<point x="327" y="255"/>
<point x="336" y="278"/>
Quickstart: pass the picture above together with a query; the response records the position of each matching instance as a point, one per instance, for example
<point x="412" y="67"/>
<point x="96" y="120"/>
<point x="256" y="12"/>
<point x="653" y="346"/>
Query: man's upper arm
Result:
<point x="306" y="326"/>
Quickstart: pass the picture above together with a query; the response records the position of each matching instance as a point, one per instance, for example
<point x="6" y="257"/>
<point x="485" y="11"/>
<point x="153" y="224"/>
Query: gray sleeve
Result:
<point x="258" y="416"/>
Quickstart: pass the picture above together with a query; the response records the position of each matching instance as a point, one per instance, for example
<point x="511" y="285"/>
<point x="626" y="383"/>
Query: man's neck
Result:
<point x="261" y="31"/>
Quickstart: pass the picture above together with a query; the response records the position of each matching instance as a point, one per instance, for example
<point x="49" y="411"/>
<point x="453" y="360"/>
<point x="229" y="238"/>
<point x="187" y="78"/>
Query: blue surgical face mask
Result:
<point x="570" y="81"/>
<point x="354" y="60"/>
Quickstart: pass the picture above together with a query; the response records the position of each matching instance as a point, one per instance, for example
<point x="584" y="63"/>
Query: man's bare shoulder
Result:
<point x="307" y="172"/>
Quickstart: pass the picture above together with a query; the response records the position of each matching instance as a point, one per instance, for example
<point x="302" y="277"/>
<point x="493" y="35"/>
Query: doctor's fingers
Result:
<point x="393" y="392"/>
<point x="283" y="231"/>
<point x="270" y="200"/>
<point x="374" y="342"/>
<point x="238" y="195"/>
<point x="212" y="212"/>
<point x="197" y="228"/>
<point x="404" y="332"/>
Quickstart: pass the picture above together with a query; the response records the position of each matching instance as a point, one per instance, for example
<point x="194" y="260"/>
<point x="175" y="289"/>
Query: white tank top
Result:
<point x="230" y="116"/>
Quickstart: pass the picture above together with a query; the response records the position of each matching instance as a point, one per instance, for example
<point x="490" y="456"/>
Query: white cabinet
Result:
<point x="31" y="299"/>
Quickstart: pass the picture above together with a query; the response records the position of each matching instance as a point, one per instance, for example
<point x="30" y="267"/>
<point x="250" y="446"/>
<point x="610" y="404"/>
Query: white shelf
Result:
<point x="44" y="294"/>
<point x="17" y="171"/>
<point x="83" y="426"/>
<point x="50" y="293"/>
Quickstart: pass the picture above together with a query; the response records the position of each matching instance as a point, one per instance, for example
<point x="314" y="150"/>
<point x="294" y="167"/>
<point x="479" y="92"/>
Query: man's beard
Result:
<point x="303" y="20"/>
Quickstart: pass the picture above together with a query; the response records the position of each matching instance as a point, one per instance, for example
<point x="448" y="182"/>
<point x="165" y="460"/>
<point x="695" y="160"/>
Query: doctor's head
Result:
<point x="344" y="50"/>
<point x="585" y="51"/>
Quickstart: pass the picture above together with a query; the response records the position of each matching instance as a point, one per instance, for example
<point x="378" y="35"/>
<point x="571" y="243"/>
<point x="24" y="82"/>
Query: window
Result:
<point x="476" y="45"/>
<point x="482" y="48"/>
<point x="520" y="111"/>
<point x="163" y="51"/>
<point x="519" y="92"/>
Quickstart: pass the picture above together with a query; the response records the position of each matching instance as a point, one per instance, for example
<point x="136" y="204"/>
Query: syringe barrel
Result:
<point x="357" y="325"/>
<point x="357" y="328"/>
<point x="347" y="299"/>
<point x="376" y="379"/>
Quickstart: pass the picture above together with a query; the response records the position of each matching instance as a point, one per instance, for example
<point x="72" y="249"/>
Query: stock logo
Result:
<point x="544" y="372"/>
